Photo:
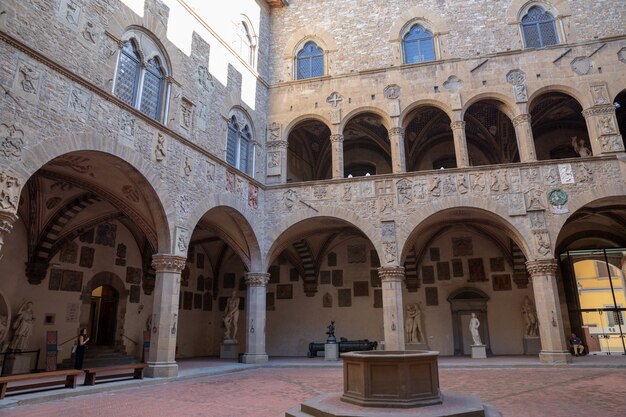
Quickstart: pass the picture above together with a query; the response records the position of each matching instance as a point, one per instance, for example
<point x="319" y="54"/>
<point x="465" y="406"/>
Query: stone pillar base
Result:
<point x="555" y="357"/>
<point x="229" y="350"/>
<point x="161" y="370"/>
<point x="254" y="358"/>
<point x="532" y="345"/>
<point x="479" y="352"/>
<point x="331" y="352"/>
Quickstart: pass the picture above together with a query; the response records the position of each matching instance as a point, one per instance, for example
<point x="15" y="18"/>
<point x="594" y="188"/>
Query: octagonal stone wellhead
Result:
<point x="391" y="379"/>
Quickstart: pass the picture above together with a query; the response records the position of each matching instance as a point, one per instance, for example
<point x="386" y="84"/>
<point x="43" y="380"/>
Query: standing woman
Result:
<point x="80" y="349"/>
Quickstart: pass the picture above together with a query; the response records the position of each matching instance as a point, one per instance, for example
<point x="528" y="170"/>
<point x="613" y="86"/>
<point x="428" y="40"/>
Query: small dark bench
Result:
<point x="131" y="370"/>
<point x="69" y="380"/>
<point x="344" y="346"/>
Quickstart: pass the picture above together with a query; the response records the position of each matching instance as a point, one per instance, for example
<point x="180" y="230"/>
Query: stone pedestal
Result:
<point x="229" y="349"/>
<point x="331" y="352"/>
<point x="416" y="346"/>
<point x="532" y="345"/>
<point x="17" y="364"/>
<point x="479" y="352"/>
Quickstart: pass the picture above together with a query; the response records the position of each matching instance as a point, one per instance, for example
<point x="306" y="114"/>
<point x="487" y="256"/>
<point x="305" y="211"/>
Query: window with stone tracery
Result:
<point x="239" y="146"/>
<point x="244" y="42"/>
<point x="539" y="28"/>
<point x="140" y="79"/>
<point x="418" y="45"/>
<point x="309" y="61"/>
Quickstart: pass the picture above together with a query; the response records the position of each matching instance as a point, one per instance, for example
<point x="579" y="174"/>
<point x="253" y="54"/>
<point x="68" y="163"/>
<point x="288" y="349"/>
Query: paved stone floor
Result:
<point x="517" y="388"/>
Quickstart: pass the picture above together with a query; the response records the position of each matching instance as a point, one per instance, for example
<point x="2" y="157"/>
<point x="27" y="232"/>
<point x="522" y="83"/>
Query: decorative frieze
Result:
<point x="181" y="240"/>
<point x="11" y="141"/>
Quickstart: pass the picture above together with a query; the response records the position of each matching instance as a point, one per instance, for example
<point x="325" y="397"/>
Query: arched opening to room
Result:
<point x="428" y="140"/>
<point x="466" y="260"/>
<point x="592" y="254"/>
<point x="366" y="147"/>
<point x="85" y="217"/>
<point x="559" y="128"/>
<point x="322" y="269"/>
<point x="309" y="154"/>
<point x="490" y="134"/>
<point x="620" y="113"/>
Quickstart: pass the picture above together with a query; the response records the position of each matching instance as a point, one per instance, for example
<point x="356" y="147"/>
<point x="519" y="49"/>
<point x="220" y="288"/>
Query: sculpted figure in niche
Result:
<point x="579" y="147"/>
<point x="474" y="324"/>
<point x="231" y="317"/>
<point x="22" y="327"/>
<point x="531" y="323"/>
<point x="413" y="326"/>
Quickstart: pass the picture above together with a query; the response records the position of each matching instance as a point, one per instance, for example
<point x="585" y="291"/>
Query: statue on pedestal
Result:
<point x="22" y="327"/>
<point x="531" y="324"/>
<point x="473" y="327"/>
<point x="413" y="325"/>
<point x="231" y="317"/>
<point x="331" y="333"/>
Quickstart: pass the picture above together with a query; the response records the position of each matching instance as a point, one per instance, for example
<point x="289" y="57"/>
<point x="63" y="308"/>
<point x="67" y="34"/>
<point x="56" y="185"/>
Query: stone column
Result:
<point x="7" y="220"/>
<point x="162" y="360"/>
<point x="393" y="310"/>
<point x="336" y="141"/>
<point x="553" y="346"/>
<point x="460" y="143"/>
<point x="255" y="317"/>
<point x="525" y="140"/>
<point x="277" y="161"/>
<point x="602" y="128"/>
<point x="398" y="160"/>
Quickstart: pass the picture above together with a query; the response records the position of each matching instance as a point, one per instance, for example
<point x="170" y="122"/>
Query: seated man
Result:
<point x="576" y="344"/>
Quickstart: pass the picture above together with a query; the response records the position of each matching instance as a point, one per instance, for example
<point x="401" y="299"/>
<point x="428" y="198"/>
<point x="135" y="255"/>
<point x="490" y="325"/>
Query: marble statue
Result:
<point x="413" y="325"/>
<point x="531" y="323"/>
<point x="231" y="317"/>
<point x="22" y="327"/>
<point x="330" y="332"/>
<point x="473" y="327"/>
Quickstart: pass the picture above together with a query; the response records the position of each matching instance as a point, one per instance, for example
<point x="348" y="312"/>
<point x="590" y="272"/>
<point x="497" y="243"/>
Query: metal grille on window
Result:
<point x="418" y="45"/>
<point x="127" y="79"/>
<point x="539" y="28"/>
<point x="231" y="143"/>
<point x="152" y="89"/>
<point x="310" y="61"/>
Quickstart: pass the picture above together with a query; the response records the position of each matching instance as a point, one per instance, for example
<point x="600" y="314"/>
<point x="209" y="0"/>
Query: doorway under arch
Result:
<point x="103" y="315"/>
<point x="463" y="303"/>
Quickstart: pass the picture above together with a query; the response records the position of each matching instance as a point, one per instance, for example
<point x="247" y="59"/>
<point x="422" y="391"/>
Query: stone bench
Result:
<point x="131" y="370"/>
<point x="69" y="380"/>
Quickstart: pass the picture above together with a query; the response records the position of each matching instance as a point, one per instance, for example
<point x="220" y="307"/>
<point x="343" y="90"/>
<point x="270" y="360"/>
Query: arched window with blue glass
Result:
<point x="140" y="81"/>
<point x="309" y="61"/>
<point x="239" y="143"/>
<point x="539" y="28"/>
<point x="418" y="45"/>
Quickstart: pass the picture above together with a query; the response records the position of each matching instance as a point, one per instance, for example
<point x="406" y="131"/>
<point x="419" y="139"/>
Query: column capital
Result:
<point x="7" y="220"/>
<point x="396" y="131"/>
<point x="521" y="119"/>
<point x="257" y="279"/>
<point x="598" y="110"/>
<point x="276" y="145"/>
<point x="163" y="262"/>
<point x="457" y="124"/>
<point x="391" y="273"/>
<point x="541" y="267"/>
<point x="336" y="138"/>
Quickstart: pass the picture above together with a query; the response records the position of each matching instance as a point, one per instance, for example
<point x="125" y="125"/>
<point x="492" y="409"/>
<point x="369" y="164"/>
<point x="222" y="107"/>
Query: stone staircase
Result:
<point x="96" y="356"/>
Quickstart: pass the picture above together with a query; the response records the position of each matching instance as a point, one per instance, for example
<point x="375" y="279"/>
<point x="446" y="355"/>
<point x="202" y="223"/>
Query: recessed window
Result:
<point x="239" y="144"/>
<point x="244" y="43"/>
<point x="539" y="28"/>
<point x="418" y="45"/>
<point x="310" y="61"/>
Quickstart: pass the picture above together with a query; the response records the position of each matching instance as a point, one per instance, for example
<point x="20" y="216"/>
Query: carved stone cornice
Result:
<point x="396" y="131"/>
<point x="162" y="262"/>
<point x="257" y="279"/>
<point x="521" y="119"/>
<point x="599" y="110"/>
<point x="336" y="138"/>
<point x="391" y="273"/>
<point x="542" y="267"/>
<point x="277" y="145"/>
<point x="457" y="124"/>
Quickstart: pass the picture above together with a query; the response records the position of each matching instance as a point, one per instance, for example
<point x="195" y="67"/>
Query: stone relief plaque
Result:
<point x="534" y="200"/>
<point x="517" y="204"/>
<point x="476" y="270"/>
<point x="496" y="264"/>
<point x="274" y="272"/>
<point x="457" y="268"/>
<point x="229" y="280"/>
<point x="434" y="254"/>
<point x="133" y="275"/>
<point x="356" y="254"/>
<point x="135" y="294"/>
<point x="106" y="234"/>
<point x="344" y="297"/>
<point x="270" y="303"/>
<point x="337" y="277"/>
<point x="462" y="246"/>
<point x="197" y="301"/>
<point x="324" y="277"/>
<point x="207" y="301"/>
<point x="69" y="253"/>
<point x="88" y="236"/>
<point x="557" y="199"/>
<point x="443" y="271"/>
<point x="54" y="283"/>
<point x="566" y="174"/>
<point x="284" y="291"/>
<point x="71" y="281"/>
<point x="327" y="300"/>
<point x="428" y="274"/>
<point x="501" y="282"/>
<point x="432" y="296"/>
<point x="361" y="288"/>
<point x="375" y="281"/>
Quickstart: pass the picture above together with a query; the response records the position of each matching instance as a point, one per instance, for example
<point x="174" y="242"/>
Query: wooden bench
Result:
<point x="134" y="370"/>
<point x="69" y="380"/>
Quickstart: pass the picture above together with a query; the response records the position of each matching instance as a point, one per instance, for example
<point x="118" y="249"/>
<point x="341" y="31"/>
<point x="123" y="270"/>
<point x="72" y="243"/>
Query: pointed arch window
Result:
<point x="128" y="70"/>
<point x="418" y="45"/>
<point x="310" y="61"/>
<point x="238" y="144"/>
<point x="539" y="28"/>
<point x="244" y="43"/>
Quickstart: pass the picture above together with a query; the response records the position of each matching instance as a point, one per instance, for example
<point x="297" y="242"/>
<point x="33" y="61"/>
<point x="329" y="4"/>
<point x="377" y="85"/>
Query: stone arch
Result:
<point x="323" y="38"/>
<point x="424" y="103"/>
<point x="464" y="301"/>
<point x="518" y="8"/>
<point x="294" y="122"/>
<point x="366" y="109"/>
<point x="158" y="197"/>
<point x="508" y="106"/>
<point x="583" y="100"/>
<point x="273" y="234"/>
<point x="417" y="14"/>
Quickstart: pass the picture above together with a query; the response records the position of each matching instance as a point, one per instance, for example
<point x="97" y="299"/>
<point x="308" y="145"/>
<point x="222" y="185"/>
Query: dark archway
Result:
<point x="366" y="148"/>
<point x="464" y="302"/>
<point x="428" y="140"/>
<point x="309" y="153"/>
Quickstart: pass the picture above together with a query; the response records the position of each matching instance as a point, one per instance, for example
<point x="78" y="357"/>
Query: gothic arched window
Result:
<point x="418" y="45"/>
<point x="244" y="43"/>
<point x="138" y="83"/>
<point x="239" y="144"/>
<point x="310" y="61"/>
<point x="539" y="28"/>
